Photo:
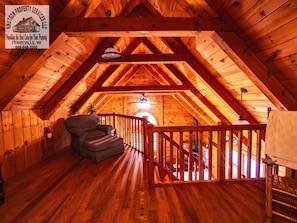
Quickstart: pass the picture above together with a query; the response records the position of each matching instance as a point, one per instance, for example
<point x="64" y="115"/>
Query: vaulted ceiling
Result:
<point x="199" y="51"/>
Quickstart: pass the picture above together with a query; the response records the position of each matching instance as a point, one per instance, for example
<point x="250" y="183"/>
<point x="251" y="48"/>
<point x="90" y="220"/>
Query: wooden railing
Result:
<point x="228" y="152"/>
<point x="130" y="128"/>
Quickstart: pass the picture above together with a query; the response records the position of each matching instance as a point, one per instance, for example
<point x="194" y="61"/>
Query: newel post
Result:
<point x="114" y="123"/>
<point x="145" y="136"/>
<point x="148" y="149"/>
<point x="268" y="190"/>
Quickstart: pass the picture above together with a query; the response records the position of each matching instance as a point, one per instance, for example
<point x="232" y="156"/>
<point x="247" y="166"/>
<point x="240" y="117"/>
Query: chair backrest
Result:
<point x="86" y="122"/>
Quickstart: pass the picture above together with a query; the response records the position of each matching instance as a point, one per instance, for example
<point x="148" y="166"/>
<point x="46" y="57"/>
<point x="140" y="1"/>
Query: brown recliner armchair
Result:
<point x="85" y="127"/>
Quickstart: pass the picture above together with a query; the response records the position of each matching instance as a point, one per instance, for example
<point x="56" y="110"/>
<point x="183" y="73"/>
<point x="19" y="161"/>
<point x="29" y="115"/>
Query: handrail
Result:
<point x="229" y="152"/>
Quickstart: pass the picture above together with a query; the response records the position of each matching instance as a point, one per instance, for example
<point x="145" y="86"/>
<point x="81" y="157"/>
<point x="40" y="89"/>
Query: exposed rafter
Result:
<point x="144" y="59"/>
<point x="137" y="27"/>
<point x="205" y="50"/>
<point x="148" y="88"/>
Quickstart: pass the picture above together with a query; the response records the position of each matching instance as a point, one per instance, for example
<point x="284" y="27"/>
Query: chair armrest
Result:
<point x="77" y="132"/>
<point x="105" y="128"/>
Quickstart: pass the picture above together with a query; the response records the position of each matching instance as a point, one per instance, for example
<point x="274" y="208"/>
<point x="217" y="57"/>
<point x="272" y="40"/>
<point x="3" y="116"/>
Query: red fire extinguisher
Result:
<point x="49" y="134"/>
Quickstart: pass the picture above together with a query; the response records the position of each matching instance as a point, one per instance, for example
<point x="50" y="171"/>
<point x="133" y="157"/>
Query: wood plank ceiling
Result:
<point x="199" y="51"/>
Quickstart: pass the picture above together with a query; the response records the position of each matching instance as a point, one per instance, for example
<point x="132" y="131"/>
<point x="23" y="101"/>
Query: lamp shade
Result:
<point x="143" y="105"/>
<point x="111" y="53"/>
<point x="241" y="122"/>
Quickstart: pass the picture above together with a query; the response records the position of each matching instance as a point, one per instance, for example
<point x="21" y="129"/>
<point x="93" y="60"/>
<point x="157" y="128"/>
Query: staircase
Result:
<point x="284" y="200"/>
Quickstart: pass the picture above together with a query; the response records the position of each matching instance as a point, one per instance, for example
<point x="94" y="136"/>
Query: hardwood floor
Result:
<point x="69" y="188"/>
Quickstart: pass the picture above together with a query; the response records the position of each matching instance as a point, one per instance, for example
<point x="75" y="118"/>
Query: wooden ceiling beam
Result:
<point x="121" y="89"/>
<point x="145" y="88"/>
<point x="137" y="26"/>
<point x="143" y="59"/>
<point x="257" y="72"/>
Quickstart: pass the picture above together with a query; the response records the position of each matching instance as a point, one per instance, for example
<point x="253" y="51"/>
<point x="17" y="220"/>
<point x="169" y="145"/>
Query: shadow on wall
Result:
<point x="61" y="137"/>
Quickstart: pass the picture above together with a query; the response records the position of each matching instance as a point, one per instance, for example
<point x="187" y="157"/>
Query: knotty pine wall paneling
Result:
<point x="175" y="114"/>
<point x="7" y="145"/>
<point x="23" y="142"/>
<point x="18" y="141"/>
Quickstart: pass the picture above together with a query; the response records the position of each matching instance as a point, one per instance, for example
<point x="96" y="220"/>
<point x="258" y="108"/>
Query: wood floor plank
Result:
<point x="69" y="188"/>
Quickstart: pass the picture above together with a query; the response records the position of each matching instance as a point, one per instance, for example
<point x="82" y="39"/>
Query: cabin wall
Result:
<point x="167" y="111"/>
<point x="23" y="142"/>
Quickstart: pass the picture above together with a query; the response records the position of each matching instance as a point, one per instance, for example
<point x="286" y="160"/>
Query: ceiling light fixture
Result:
<point x="241" y="121"/>
<point x="143" y="102"/>
<point x="111" y="53"/>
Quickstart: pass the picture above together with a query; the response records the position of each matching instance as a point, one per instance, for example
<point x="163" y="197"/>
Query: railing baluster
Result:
<point x="161" y="150"/>
<point x="182" y="157"/>
<point x="230" y="164"/>
<point x="171" y="156"/>
<point x="190" y="159"/>
<point x="249" y="154"/>
<point x="239" y="160"/>
<point x="201" y="156"/>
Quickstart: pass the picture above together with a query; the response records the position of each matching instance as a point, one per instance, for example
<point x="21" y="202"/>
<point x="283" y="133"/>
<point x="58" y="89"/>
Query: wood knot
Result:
<point x="236" y="3"/>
